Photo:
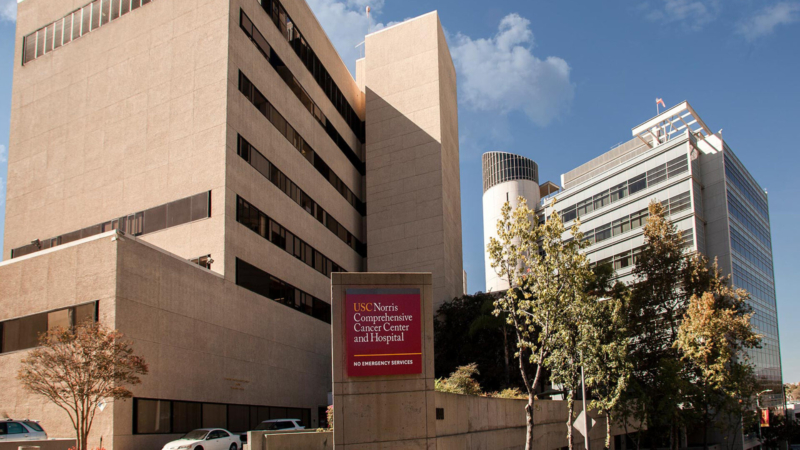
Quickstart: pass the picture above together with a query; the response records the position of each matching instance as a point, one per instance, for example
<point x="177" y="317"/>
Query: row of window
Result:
<point x="74" y="25"/>
<point x="636" y="220"/>
<point x="740" y="212"/>
<point x="289" y="30"/>
<point x="172" y="416"/>
<point x="276" y="119"/>
<point x="499" y="167"/>
<point x="251" y="217"/>
<point x="272" y="173"/>
<point x="631" y="257"/>
<point x="23" y="333"/>
<point x="151" y="220"/>
<point x="254" y="279"/>
<point x="627" y="188"/>
<point x="753" y="196"/>
<point x="294" y="85"/>
<point x="754" y="285"/>
<point x="742" y="246"/>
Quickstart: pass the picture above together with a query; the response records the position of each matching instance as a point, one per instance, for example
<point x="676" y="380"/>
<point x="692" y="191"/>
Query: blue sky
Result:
<point x="562" y="82"/>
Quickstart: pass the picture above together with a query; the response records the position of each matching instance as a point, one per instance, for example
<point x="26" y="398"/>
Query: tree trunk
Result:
<point x="505" y="350"/>
<point x="570" y="412"/>
<point x="529" y="417"/>
<point x="608" y="430"/>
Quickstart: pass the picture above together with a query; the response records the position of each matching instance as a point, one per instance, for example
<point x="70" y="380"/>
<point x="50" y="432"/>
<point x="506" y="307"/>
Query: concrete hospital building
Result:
<point x="674" y="158"/>
<point x="191" y="173"/>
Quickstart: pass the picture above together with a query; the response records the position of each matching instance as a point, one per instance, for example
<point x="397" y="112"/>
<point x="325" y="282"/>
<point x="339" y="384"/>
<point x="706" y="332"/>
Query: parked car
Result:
<point x="21" y="430"/>
<point x="206" y="439"/>
<point x="276" y="424"/>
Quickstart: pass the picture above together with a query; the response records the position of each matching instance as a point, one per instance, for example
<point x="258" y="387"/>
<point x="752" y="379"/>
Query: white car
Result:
<point x="21" y="430"/>
<point x="276" y="424"/>
<point x="206" y="439"/>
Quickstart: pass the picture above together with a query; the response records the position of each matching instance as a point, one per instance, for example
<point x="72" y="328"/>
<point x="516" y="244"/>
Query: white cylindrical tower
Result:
<point x="506" y="177"/>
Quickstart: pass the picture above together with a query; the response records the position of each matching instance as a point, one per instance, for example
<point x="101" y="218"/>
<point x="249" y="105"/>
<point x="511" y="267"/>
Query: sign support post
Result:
<point x="383" y="378"/>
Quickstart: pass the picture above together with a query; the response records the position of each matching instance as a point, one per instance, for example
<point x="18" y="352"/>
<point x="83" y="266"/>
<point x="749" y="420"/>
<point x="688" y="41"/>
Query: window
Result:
<point x="637" y="183"/>
<point x="585" y="207"/>
<point x="620" y="226"/>
<point x="619" y="192"/>
<point x="154" y="219"/>
<point x="73" y="26"/>
<point x="152" y="416"/>
<point x="262" y="283"/>
<point x="23" y="333"/>
<point x="295" y="193"/>
<point x="215" y="415"/>
<point x="602" y="233"/>
<point x="601" y="200"/>
<point x="15" y="428"/>
<point x="638" y="219"/>
<point x="269" y="112"/>
<point x="294" y="85"/>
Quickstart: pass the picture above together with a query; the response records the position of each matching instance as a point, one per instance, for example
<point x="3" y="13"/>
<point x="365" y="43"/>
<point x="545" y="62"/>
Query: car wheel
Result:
<point x="233" y="446"/>
<point x="199" y="447"/>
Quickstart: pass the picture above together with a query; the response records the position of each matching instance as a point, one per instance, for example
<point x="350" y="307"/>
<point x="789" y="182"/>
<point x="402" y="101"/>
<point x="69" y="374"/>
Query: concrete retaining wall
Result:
<point x="293" y="440"/>
<point x="472" y="422"/>
<point x="50" y="444"/>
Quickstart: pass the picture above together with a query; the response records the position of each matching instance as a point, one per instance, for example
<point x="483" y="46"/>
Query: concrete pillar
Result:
<point x="374" y="407"/>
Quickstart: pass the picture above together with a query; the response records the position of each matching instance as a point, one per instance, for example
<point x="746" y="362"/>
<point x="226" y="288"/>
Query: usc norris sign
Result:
<point x="383" y="332"/>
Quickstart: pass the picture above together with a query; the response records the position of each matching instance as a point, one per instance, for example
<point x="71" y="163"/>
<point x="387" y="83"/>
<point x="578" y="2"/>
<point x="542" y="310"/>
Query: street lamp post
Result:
<point x="758" y="406"/>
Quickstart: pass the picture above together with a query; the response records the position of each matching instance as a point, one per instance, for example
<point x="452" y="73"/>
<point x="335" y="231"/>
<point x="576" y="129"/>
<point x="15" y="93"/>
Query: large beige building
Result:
<point x="191" y="173"/>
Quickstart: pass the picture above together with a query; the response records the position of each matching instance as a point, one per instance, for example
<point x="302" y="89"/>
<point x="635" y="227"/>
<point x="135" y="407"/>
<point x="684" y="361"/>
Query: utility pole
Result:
<point x="585" y="411"/>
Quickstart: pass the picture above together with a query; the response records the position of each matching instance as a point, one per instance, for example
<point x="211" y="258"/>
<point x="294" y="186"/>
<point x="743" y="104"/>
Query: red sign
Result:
<point x="383" y="332"/>
<point x="764" y="418"/>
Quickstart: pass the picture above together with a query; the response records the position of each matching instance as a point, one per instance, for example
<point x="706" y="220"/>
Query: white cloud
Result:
<point x="694" y="14"/>
<point x="8" y="10"/>
<point x="2" y="192"/>
<point x="763" y="23"/>
<point x="501" y="73"/>
<point x="3" y="153"/>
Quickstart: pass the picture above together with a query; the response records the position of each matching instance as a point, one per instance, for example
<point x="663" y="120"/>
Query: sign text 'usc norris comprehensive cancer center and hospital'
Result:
<point x="383" y="332"/>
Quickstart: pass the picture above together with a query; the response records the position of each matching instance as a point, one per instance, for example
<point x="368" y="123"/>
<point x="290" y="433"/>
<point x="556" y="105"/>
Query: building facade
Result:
<point x="191" y="173"/>
<point x="506" y="178"/>
<point x="717" y="206"/>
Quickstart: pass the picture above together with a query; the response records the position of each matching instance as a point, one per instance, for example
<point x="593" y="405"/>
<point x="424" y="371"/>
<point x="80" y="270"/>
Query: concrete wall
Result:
<point x="127" y="117"/>
<point x="76" y="273"/>
<point x="51" y="444"/>
<point x="292" y="440"/>
<point x="204" y="338"/>
<point x="413" y="221"/>
<point x="493" y="423"/>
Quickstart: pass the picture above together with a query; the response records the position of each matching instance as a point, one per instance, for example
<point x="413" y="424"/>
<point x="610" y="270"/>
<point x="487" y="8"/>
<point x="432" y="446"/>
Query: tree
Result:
<point x="542" y="281"/>
<point x="561" y="273"/>
<point x="658" y="381"/>
<point x="713" y="338"/>
<point x="77" y="369"/>
<point x="605" y="356"/>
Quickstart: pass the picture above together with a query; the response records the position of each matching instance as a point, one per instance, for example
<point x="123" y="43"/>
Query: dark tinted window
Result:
<point x="152" y="416"/>
<point x="215" y="415"/>
<point x="186" y="416"/>
<point x="155" y="219"/>
<point x="179" y="211"/>
<point x="23" y="333"/>
<point x="16" y="428"/>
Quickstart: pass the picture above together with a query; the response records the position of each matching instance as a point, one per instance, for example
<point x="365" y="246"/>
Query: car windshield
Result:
<point x="267" y="426"/>
<point x="196" y="435"/>
<point x="34" y="426"/>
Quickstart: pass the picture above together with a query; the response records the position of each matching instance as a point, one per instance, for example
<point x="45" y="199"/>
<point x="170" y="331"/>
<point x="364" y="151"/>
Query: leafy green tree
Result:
<point x="659" y="380"/>
<point x="713" y="339"/>
<point x="605" y="357"/>
<point x="545" y="274"/>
